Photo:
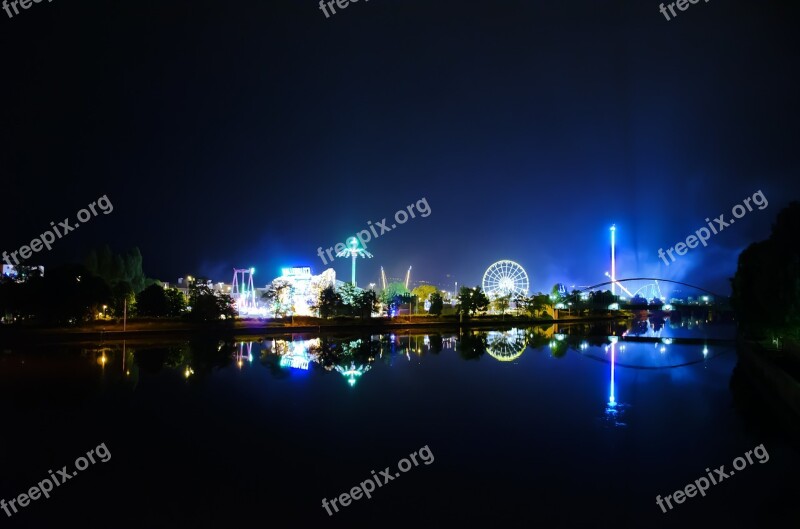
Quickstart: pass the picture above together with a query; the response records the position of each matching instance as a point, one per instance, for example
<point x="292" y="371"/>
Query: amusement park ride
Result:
<point x="383" y="278"/>
<point x="242" y="291"/>
<point x="506" y="277"/>
<point x="353" y="250"/>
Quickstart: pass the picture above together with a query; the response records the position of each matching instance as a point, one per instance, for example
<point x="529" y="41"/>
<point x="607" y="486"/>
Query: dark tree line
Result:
<point x="766" y="287"/>
<point x="107" y="285"/>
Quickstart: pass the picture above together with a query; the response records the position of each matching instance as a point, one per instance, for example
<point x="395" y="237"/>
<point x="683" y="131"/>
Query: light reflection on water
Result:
<point x="354" y="357"/>
<point x="561" y="396"/>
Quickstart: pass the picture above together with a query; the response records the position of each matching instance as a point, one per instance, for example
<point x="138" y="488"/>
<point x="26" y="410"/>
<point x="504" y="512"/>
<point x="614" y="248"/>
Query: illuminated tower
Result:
<point x="613" y="260"/>
<point x="353" y="251"/>
<point x="242" y="291"/>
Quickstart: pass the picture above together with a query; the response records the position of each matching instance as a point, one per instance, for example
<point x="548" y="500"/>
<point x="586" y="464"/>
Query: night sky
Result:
<point x="250" y="133"/>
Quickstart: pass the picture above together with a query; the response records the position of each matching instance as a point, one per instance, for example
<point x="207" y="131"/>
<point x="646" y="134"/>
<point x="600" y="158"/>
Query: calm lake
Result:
<point x="546" y="426"/>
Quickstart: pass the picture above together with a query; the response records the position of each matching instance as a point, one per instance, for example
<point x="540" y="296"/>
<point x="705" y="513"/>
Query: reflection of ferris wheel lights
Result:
<point x="705" y="351"/>
<point x="663" y="349"/>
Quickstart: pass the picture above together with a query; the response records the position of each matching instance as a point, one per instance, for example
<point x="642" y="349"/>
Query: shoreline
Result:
<point x="182" y="329"/>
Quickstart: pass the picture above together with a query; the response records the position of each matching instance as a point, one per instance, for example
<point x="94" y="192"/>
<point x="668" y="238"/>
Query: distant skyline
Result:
<point x="251" y="134"/>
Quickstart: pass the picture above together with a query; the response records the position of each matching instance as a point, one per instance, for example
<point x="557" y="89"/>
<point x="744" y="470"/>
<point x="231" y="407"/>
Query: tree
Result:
<point x="176" y="302"/>
<point x="114" y="268"/>
<point x="502" y="303"/>
<point x="122" y="295"/>
<point x="280" y="295"/>
<point x="349" y="293"/>
<point x="152" y="302"/>
<point x="210" y="306"/>
<point x="534" y="305"/>
<point x="329" y="302"/>
<point x="365" y="303"/>
<point x="424" y="292"/>
<point x="66" y="295"/>
<point x="766" y="287"/>
<point x="471" y="301"/>
<point x="437" y="304"/>
<point x="638" y="300"/>
<point x="601" y="300"/>
<point x="543" y="303"/>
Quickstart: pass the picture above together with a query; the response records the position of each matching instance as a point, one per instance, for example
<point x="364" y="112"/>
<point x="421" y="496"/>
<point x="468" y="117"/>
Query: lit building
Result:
<point x="299" y="289"/>
<point x="10" y="271"/>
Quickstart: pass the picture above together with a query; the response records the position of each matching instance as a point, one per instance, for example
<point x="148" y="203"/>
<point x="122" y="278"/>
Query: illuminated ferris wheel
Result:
<point x="506" y="346"/>
<point x="505" y="277"/>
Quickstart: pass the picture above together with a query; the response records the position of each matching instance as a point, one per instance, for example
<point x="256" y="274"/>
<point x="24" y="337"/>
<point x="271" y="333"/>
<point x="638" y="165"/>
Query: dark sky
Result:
<point x="250" y="133"/>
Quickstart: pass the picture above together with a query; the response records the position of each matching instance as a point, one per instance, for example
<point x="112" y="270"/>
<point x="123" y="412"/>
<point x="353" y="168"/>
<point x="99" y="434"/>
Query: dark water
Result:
<point x="537" y="427"/>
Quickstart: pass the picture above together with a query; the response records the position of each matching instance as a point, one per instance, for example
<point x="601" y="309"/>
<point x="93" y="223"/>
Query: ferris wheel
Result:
<point x="506" y="346"/>
<point x="505" y="277"/>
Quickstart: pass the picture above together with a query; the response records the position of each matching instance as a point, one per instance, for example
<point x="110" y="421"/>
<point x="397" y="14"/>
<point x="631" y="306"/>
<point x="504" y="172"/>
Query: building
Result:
<point x="11" y="271"/>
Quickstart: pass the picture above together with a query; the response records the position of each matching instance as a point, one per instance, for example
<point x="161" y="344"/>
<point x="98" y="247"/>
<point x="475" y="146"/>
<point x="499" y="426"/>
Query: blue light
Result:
<point x="611" y="398"/>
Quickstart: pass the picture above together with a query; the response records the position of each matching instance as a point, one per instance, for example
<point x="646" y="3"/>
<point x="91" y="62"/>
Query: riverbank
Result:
<point x="153" y="328"/>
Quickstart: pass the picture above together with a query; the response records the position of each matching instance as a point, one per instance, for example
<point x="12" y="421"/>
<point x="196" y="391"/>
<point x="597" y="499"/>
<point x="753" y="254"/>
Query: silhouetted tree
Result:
<point x="152" y="302"/>
<point x="365" y="303"/>
<point x="329" y="303"/>
<point x="114" y="268"/>
<point x="210" y="306"/>
<point x="471" y="301"/>
<point x="437" y="305"/>
<point x="766" y="287"/>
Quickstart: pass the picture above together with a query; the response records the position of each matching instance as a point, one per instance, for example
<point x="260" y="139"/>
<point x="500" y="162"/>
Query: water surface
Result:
<point x="562" y="427"/>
